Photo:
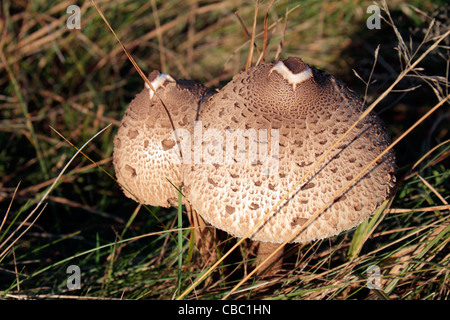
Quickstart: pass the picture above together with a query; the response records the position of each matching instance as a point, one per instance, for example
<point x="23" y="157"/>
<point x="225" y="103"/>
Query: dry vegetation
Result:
<point x="65" y="89"/>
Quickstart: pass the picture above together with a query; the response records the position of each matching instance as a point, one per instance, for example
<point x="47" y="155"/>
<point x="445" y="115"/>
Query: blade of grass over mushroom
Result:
<point x="340" y="192"/>
<point x="146" y="80"/>
<point x="410" y="67"/>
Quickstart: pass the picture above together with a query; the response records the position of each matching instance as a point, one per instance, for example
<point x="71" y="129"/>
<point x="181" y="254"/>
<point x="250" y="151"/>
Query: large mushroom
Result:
<point x="301" y="111"/>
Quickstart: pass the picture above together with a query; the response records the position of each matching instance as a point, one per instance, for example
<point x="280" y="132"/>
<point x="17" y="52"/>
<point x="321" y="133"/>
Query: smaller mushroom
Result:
<point x="147" y="153"/>
<point x="148" y="157"/>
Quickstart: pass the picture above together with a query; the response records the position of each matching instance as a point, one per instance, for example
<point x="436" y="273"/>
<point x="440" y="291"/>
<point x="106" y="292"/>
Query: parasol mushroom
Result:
<point x="306" y="110"/>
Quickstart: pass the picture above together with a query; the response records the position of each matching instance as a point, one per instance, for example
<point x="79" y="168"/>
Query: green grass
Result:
<point x="128" y="251"/>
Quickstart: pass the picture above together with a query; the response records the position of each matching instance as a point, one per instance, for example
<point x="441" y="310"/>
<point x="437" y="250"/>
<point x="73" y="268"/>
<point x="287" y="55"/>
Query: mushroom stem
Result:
<point x="274" y="264"/>
<point x="205" y="237"/>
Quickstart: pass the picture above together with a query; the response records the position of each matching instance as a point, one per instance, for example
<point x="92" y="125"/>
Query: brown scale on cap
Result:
<point x="311" y="110"/>
<point x="146" y="153"/>
<point x="295" y="65"/>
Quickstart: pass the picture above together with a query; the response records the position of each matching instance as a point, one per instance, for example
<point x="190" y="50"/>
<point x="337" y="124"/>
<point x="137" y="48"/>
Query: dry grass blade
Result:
<point x="252" y="39"/>
<point x="427" y="209"/>
<point x="11" y="245"/>
<point x="283" y="36"/>
<point x="266" y="31"/>
<point x="425" y="182"/>
<point x="9" y="207"/>
<point x="249" y="36"/>
<point x="428" y="153"/>
<point x="133" y="62"/>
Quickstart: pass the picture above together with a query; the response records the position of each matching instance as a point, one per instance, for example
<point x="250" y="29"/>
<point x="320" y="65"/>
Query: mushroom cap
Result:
<point x="309" y="110"/>
<point x="146" y="155"/>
